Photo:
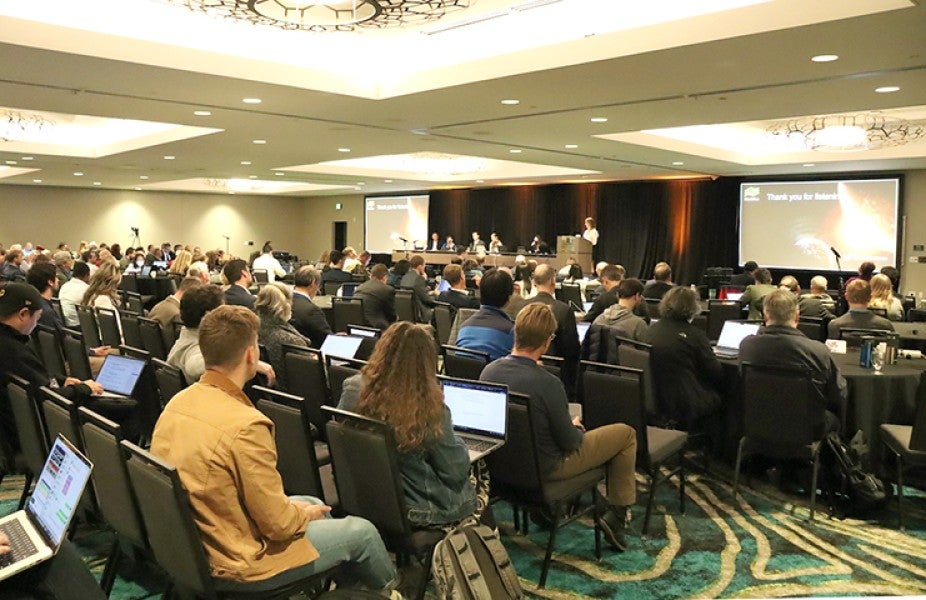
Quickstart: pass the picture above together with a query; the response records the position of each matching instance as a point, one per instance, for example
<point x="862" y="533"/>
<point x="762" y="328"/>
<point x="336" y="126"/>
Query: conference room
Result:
<point x="704" y="135"/>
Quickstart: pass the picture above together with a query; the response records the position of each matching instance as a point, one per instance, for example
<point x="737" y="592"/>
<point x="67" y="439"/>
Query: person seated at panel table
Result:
<point x="687" y="377"/>
<point x="449" y="245"/>
<point x="882" y="296"/>
<point x="434" y="245"/>
<point x="538" y="246"/>
<point x="817" y="303"/>
<point x="477" y="245"/>
<point x="782" y="344"/>
<point x="858" y="295"/>
<point x="495" y="244"/>
<point x="399" y="385"/>
<point x="754" y="293"/>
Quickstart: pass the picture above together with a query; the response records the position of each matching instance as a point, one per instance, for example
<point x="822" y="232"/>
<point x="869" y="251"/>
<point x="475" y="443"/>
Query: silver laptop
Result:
<point x="479" y="413"/>
<point x="342" y="346"/>
<point x="36" y="533"/>
<point x="119" y="375"/>
<point x="734" y="295"/>
<point x="582" y="328"/>
<point x="733" y="332"/>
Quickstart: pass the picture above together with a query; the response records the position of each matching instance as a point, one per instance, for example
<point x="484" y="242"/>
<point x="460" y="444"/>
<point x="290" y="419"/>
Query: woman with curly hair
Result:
<point x="103" y="290"/>
<point x="399" y="386"/>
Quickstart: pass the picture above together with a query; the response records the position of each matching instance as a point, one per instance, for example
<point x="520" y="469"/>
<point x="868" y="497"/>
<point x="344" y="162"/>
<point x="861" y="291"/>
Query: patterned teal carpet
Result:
<point x="759" y="546"/>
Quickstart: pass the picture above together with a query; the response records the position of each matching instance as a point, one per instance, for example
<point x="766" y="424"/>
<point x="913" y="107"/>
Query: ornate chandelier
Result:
<point x="327" y="15"/>
<point x="16" y="125"/>
<point x="848" y="133"/>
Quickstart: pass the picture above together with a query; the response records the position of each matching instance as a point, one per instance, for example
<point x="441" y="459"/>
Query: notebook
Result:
<point x="119" y="375"/>
<point x="344" y="346"/>
<point x="733" y="332"/>
<point x="582" y="328"/>
<point x="479" y="413"/>
<point x="37" y="531"/>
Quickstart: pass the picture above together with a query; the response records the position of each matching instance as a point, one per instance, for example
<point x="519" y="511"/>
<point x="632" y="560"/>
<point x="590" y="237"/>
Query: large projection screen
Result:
<point x="796" y="224"/>
<point x="387" y="219"/>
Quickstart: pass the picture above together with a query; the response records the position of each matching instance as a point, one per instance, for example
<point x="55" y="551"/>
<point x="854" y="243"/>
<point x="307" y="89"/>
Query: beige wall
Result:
<point x="320" y="213"/>
<point x="913" y="276"/>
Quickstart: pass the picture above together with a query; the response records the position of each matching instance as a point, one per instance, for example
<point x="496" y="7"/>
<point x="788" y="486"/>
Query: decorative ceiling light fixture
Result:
<point x="15" y="125"/>
<point x="328" y="15"/>
<point x="848" y="133"/>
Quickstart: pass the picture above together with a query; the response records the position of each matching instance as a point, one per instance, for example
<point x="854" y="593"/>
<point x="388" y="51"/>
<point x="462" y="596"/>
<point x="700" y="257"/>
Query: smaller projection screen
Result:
<point x="390" y="219"/>
<point x="796" y="224"/>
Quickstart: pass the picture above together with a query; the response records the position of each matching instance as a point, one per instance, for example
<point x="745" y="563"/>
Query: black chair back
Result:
<point x="108" y="322"/>
<point x="88" y="326"/>
<point x="347" y="311"/>
<point x="28" y="422"/>
<point x="296" y="459"/>
<point x="780" y="406"/>
<point x="330" y="288"/>
<point x="260" y="276"/>
<point x="514" y="466"/>
<point x="152" y="338"/>
<point x="463" y="363"/>
<point x="75" y="351"/>
<point x="812" y="327"/>
<point x="59" y="310"/>
<point x="571" y="294"/>
<point x="881" y="312"/>
<point x="636" y="355"/>
<point x="553" y="364"/>
<point x="146" y="392"/>
<point x="129" y="283"/>
<point x="443" y="321"/>
<point x="134" y="303"/>
<point x="339" y="369"/>
<point x="305" y="375"/>
<point x="51" y="351"/>
<point x="60" y="415"/>
<point x="405" y="308"/>
<point x="719" y="312"/>
<point x="614" y="394"/>
<point x="169" y="378"/>
<point x="131" y="330"/>
<point x="652" y="307"/>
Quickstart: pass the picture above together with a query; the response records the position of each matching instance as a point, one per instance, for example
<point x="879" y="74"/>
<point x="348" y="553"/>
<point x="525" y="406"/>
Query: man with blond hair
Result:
<point x="858" y="295"/>
<point x="224" y="452"/>
<point x="564" y="448"/>
<point x="817" y="303"/>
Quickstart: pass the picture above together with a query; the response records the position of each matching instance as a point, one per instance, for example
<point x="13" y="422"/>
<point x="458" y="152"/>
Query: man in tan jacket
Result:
<point x="224" y="451"/>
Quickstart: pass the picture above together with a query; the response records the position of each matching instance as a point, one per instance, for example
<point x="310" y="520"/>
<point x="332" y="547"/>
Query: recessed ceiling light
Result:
<point x="572" y="146"/>
<point x="279" y="174"/>
<point x="251" y="100"/>
<point x="259" y="142"/>
<point x="343" y="149"/>
<point x="168" y="157"/>
<point x="678" y="163"/>
<point x="821" y="58"/>
<point x="202" y="113"/>
<point x="27" y="158"/>
<point x="143" y="177"/>
<point x="361" y="183"/>
<point x="252" y="176"/>
<point x="358" y="188"/>
<point x="78" y="174"/>
<point x="887" y="89"/>
<point x="808" y="164"/>
<point x="515" y="151"/>
<point x="599" y="119"/>
<point x="511" y="102"/>
<point x="245" y="162"/>
<point x="480" y="181"/>
<point x="97" y="183"/>
<point x="36" y="181"/>
<point x="11" y="162"/>
<point x="137" y="189"/>
<point x="387" y="180"/>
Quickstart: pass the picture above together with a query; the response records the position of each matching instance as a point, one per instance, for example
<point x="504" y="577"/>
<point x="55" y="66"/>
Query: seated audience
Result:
<point x="335" y="272"/>
<point x="43" y="277"/>
<point x="416" y="281"/>
<point x="11" y="269"/>
<point x="238" y="276"/>
<point x="181" y="264"/>
<point x="457" y="296"/>
<point x="747" y="277"/>
<point x="865" y="271"/>
<point x="65" y="576"/>
<point x="397" y="272"/>
<point x="882" y="296"/>
<point x="224" y="452"/>
<point x="308" y="318"/>
<point x="72" y="293"/>
<point x="620" y="317"/>
<point x="817" y="303"/>
<point x="185" y="353"/>
<point x="565" y="449"/>
<point x="268" y="263"/>
<point x="782" y="344"/>
<point x="894" y="275"/>
<point x="351" y="260"/>
<point x="274" y="306"/>
<point x="103" y="290"/>
<point x="63" y="264"/>
<point x="858" y="295"/>
<point x="398" y="385"/>
<point x="661" y="282"/>
<point x="687" y="377"/>
<point x="754" y="293"/>
<point x="490" y="329"/>
<point x="610" y="276"/>
<point x="167" y="311"/>
<point x="378" y="298"/>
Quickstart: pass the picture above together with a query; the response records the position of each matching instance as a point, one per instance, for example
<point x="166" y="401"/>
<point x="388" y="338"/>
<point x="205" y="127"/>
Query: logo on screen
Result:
<point x="371" y="204"/>
<point x="751" y="193"/>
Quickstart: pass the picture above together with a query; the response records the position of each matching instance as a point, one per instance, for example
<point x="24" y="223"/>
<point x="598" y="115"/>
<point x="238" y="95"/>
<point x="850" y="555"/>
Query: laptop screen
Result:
<point x="587" y="306"/>
<point x="477" y="407"/>
<point x="582" y="328"/>
<point x="733" y="333"/>
<point x="119" y="374"/>
<point x="734" y="295"/>
<point x="344" y="346"/>
<point x="58" y="490"/>
<point x="362" y="331"/>
<point x="347" y="290"/>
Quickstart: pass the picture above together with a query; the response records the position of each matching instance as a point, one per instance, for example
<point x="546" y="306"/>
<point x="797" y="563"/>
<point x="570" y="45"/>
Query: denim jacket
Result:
<point x="436" y="479"/>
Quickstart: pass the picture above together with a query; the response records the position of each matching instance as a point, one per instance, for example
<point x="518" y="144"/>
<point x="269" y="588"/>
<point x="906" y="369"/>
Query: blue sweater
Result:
<point x="489" y="330"/>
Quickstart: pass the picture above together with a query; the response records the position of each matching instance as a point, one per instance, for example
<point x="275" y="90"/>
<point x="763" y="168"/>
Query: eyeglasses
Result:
<point x="552" y="336"/>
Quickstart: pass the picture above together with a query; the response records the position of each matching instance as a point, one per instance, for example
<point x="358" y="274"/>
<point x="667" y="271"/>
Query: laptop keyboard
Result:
<point x="20" y="544"/>
<point x="479" y="445"/>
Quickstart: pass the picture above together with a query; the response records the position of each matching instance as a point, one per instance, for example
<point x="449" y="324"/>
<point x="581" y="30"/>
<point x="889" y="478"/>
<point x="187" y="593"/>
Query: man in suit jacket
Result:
<point x="609" y="276"/>
<point x="817" y="303"/>
<point x="754" y="294"/>
<point x="747" y="277"/>
<point x="858" y="295"/>
<point x="378" y="298"/>
<point x="239" y="280"/>
<point x="336" y="270"/>
<point x="415" y="281"/>
<point x="566" y="342"/>
<point x="457" y="296"/>
<point x="662" y="282"/>
<point x="308" y="318"/>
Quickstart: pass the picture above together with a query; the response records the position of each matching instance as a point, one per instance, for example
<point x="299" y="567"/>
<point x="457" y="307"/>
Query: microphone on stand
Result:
<point x="835" y="253"/>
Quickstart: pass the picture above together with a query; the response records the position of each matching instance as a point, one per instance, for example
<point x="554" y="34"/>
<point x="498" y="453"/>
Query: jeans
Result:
<point x="354" y="544"/>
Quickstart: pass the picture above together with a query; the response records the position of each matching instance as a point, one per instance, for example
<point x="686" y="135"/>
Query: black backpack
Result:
<point x="850" y="489"/>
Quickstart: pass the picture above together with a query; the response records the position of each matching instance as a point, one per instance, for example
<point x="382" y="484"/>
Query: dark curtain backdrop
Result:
<point x="689" y="224"/>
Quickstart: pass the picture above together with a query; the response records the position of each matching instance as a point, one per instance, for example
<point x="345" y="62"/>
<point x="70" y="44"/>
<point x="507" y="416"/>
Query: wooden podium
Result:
<point x="577" y="247"/>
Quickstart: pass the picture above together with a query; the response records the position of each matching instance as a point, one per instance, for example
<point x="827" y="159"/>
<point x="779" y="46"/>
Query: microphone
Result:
<point x="226" y="237"/>
<point x="835" y="252"/>
<point x="402" y="238"/>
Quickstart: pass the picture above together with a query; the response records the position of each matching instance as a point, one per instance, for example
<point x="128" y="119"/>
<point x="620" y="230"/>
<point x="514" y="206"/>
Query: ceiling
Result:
<point x="329" y="97"/>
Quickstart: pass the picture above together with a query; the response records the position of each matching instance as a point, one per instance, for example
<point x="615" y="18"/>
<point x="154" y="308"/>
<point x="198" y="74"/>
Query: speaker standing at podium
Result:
<point x="591" y="234"/>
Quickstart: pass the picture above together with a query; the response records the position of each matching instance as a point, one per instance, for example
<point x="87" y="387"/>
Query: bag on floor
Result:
<point x="471" y="563"/>
<point x="852" y="490"/>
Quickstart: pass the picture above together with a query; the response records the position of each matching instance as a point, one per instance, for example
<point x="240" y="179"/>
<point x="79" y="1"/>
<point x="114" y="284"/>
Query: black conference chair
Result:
<point x="907" y="443"/>
<point x="175" y="539"/>
<point x="517" y="479"/>
<point x="260" y="276"/>
<point x="52" y="352"/>
<point x="616" y="395"/>
<point x="813" y="327"/>
<point x="307" y="379"/>
<point x="405" y="307"/>
<point x="131" y="330"/>
<point x="146" y="393"/>
<point x="369" y="481"/>
<point x="635" y="355"/>
<point x="30" y="429"/>
<point x="347" y="311"/>
<point x="75" y="351"/>
<point x="297" y="459"/>
<point x="553" y="364"/>
<point x="60" y="416"/>
<point x="108" y="322"/>
<point x="571" y="294"/>
<point x="86" y="316"/>
<point x="443" y="321"/>
<point x="719" y="312"/>
<point x="463" y="363"/>
<point x="855" y="335"/>
<point x="59" y="310"/>
<point x="152" y="338"/>
<point x="170" y="380"/>
<point x="330" y="288"/>
<point x="339" y="370"/>
<point x="781" y="409"/>
<point x="135" y="303"/>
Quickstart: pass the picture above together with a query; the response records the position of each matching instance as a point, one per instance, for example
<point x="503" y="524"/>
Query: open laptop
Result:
<point x="36" y="532"/>
<point x="119" y="375"/>
<point x="347" y="289"/>
<point x="734" y="295"/>
<point x="582" y="328"/>
<point x="479" y="413"/>
<point x="342" y="346"/>
<point x="587" y="306"/>
<point x="363" y="330"/>
<point x="733" y="332"/>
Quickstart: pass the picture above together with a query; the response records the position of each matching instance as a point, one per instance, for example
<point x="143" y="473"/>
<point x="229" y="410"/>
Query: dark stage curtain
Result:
<point x="689" y="224"/>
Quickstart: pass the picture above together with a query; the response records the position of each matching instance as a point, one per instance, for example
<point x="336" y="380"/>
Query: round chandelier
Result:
<point x="327" y="15"/>
<point x="848" y="133"/>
